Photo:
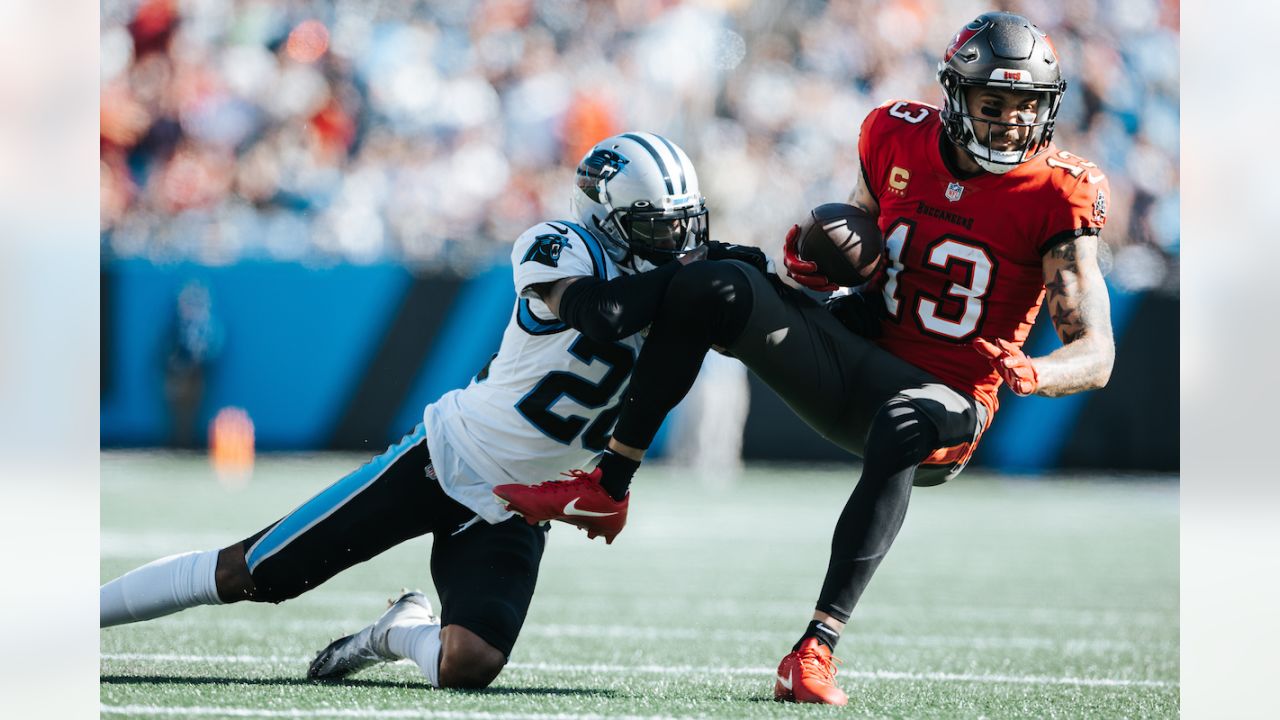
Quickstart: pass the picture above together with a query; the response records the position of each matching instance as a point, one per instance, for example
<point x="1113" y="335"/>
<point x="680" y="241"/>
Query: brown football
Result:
<point x="844" y="241"/>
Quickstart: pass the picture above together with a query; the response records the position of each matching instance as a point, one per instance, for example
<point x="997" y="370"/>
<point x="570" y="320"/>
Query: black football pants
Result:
<point x="485" y="574"/>
<point x="862" y="398"/>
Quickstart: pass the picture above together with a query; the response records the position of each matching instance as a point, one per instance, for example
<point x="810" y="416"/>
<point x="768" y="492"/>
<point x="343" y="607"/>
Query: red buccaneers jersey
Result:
<point x="965" y="254"/>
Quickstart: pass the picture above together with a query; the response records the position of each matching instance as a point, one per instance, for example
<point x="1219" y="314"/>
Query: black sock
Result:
<point x="825" y="634"/>
<point x="616" y="473"/>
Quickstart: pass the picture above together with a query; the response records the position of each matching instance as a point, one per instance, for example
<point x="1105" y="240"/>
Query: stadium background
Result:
<point x="305" y="206"/>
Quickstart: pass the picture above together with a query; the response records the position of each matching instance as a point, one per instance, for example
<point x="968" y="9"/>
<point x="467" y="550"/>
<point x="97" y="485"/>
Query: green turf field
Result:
<point x="1002" y="599"/>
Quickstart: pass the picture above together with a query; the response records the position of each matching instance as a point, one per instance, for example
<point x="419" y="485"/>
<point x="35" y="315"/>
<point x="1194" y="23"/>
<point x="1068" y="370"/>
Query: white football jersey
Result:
<point x="547" y="401"/>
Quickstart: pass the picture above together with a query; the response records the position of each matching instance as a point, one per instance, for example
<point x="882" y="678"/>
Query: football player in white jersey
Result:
<point x="547" y="400"/>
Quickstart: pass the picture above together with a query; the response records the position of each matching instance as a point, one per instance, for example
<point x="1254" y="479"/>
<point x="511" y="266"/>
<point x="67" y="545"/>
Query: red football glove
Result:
<point x="1015" y="368"/>
<point x="803" y="271"/>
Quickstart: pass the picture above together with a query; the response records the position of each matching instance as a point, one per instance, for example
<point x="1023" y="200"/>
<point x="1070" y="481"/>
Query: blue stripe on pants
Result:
<point x="330" y="499"/>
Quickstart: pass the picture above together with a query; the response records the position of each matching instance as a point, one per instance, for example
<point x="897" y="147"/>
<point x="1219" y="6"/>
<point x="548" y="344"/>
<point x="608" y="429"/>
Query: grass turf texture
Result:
<point x="1001" y="598"/>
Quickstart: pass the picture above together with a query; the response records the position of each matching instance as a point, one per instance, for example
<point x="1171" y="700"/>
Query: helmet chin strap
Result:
<point x="992" y="167"/>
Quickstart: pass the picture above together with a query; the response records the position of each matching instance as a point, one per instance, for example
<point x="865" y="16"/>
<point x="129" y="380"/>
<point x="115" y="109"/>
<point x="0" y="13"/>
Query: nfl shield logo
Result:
<point x="954" y="191"/>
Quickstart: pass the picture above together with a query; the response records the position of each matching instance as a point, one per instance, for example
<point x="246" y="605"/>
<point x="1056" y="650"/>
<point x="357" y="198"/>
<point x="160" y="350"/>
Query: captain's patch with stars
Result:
<point x="546" y="249"/>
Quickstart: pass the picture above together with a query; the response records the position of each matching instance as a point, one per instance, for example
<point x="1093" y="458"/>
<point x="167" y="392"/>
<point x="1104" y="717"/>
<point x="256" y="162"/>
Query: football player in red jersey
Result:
<point x="983" y="217"/>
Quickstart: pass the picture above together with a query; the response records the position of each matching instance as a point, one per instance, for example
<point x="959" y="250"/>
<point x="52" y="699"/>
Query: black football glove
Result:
<point x="752" y="256"/>
<point x="860" y="311"/>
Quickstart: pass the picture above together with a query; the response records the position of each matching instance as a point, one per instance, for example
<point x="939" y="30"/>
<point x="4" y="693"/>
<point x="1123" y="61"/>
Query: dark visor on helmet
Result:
<point x="661" y="235"/>
<point x="1033" y="140"/>
<point x="1039" y="127"/>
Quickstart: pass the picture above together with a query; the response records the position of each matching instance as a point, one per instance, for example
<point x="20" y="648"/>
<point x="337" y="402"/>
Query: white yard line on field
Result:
<point x="861" y="674"/>
<point x="1072" y="645"/>
<point x="688" y="670"/>
<point x="187" y="711"/>
<point x="720" y="606"/>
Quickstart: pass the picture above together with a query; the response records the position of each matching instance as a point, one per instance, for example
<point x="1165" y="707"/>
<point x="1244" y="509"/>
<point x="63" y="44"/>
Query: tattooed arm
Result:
<point x="1076" y="297"/>
<point x="862" y="198"/>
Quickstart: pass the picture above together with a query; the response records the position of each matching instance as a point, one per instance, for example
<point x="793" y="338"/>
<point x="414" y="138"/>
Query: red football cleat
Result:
<point x="809" y="675"/>
<point x="579" y="501"/>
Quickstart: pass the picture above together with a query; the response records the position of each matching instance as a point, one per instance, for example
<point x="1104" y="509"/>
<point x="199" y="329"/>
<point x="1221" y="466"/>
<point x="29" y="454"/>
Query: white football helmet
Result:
<point x="639" y="192"/>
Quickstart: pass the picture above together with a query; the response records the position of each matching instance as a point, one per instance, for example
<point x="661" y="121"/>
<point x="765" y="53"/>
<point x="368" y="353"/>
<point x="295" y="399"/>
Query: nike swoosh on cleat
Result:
<point x="785" y="682"/>
<point x="572" y="509"/>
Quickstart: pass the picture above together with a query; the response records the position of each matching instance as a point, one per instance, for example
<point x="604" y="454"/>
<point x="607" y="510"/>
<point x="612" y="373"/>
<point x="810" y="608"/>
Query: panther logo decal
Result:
<point x="600" y="165"/>
<point x="546" y="249"/>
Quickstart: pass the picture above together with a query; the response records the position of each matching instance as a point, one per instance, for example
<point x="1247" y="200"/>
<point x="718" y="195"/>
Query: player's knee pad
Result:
<point x="902" y="434"/>
<point x="711" y="298"/>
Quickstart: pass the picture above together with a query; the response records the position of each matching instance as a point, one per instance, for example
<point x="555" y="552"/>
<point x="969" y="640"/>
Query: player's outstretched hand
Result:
<point x="1015" y="368"/>
<point x="752" y="256"/>
<point x="803" y="271"/>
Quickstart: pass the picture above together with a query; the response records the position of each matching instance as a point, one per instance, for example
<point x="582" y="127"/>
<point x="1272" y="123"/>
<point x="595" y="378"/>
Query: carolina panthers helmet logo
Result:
<point x="546" y="249"/>
<point x="599" y="165"/>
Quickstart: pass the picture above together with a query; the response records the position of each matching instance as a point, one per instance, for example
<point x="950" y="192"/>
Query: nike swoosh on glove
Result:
<point x="1014" y="367"/>
<point x="803" y="271"/>
<point x="752" y="256"/>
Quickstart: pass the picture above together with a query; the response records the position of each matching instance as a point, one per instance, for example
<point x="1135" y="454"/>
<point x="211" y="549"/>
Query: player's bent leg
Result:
<point x="707" y="303"/>
<point x="467" y="660"/>
<point x="381" y="504"/>
<point x="485" y="575"/>
<point x="388" y="500"/>
<point x="837" y="381"/>
<point x="901" y="436"/>
<point x="806" y="356"/>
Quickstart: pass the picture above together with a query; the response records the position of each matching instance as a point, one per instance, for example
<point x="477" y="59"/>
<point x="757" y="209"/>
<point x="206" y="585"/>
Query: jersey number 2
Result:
<point x="942" y="254"/>
<point x="536" y="406"/>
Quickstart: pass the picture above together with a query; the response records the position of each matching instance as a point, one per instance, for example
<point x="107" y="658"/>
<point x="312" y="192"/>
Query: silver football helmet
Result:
<point x="639" y="192"/>
<point x="1004" y="51"/>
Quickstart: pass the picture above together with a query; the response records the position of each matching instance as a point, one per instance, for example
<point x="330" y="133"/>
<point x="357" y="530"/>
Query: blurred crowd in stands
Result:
<point x="431" y="133"/>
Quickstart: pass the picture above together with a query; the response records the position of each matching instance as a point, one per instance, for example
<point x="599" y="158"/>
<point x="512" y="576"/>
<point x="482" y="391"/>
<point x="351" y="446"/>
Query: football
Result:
<point x="844" y="241"/>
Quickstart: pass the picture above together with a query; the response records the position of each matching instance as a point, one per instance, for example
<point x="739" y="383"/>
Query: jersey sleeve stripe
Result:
<point x="593" y="249"/>
<point x="531" y="324"/>
<point x="657" y="157"/>
<point x="1066" y="236"/>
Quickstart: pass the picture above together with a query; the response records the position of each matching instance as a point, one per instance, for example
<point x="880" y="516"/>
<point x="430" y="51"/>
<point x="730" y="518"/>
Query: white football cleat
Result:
<point x="368" y="647"/>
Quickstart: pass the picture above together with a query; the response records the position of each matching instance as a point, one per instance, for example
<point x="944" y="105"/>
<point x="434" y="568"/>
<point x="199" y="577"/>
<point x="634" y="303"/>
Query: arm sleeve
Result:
<point x="1082" y="212"/>
<point x="613" y="309"/>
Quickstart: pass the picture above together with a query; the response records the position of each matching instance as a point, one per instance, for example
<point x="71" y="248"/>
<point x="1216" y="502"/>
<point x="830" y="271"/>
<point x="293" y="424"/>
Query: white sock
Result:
<point x="419" y="643"/>
<point x="160" y="588"/>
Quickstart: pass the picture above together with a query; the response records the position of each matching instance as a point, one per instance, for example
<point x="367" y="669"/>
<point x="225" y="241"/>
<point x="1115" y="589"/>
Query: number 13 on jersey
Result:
<point x="966" y="298"/>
